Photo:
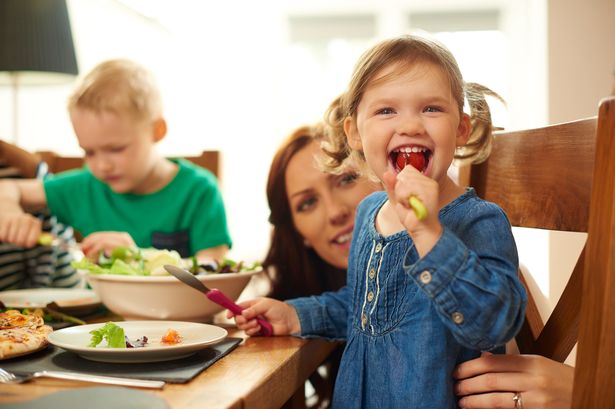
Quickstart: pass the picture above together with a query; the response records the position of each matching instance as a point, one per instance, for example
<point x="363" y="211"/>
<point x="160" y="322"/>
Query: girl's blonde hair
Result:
<point x="119" y="86"/>
<point x="406" y="51"/>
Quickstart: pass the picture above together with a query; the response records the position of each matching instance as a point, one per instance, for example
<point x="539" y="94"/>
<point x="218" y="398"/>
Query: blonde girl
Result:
<point x="431" y="285"/>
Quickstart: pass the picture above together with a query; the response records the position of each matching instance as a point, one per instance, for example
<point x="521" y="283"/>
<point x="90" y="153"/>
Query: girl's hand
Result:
<point x="283" y="317"/>
<point x="410" y="182"/>
<point x="492" y="380"/>
<point x="104" y="242"/>
<point x="20" y="229"/>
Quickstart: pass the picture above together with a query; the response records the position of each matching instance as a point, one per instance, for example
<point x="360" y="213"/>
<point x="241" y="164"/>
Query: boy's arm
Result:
<point x="16" y="226"/>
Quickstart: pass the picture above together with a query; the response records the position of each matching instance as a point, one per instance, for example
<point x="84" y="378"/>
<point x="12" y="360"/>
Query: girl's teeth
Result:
<point x="414" y="149"/>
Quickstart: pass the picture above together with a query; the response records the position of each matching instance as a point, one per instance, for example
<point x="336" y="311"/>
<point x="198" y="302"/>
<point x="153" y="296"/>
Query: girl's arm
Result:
<point x="471" y="277"/>
<point x="324" y="315"/>
<point x="282" y="317"/>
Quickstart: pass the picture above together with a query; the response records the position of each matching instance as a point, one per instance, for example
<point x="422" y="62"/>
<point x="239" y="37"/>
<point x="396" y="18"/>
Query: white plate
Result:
<point x="194" y="338"/>
<point x="40" y="297"/>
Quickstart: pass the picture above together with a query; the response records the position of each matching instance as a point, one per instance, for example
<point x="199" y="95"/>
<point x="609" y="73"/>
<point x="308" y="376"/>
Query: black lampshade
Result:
<point x="35" y="38"/>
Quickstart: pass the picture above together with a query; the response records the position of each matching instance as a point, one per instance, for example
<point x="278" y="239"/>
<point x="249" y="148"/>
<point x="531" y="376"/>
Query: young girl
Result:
<point x="426" y="290"/>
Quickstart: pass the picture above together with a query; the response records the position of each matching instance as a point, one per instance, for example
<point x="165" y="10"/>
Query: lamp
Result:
<point x="36" y="46"/>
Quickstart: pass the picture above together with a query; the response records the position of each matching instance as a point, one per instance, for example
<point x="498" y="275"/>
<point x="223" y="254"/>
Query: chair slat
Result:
<point x="594" y="385"/>
<point x="547" y="169"/>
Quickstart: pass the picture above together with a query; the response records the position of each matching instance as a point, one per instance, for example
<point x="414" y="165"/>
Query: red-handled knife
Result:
<point x="216" y="296"/>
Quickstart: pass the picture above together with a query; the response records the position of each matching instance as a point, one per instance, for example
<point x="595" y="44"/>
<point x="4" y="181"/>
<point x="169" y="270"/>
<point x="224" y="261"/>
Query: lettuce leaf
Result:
<point x="123" y="268"/>
<point x="112" y="333"/>
<point x="86" y="264"/>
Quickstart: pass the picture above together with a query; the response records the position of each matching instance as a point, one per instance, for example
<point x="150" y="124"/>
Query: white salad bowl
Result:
<point x="165" y="297"/>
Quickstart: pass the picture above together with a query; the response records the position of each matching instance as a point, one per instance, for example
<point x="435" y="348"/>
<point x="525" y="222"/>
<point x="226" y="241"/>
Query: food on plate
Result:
<point x="51" y="316"/>
<point x="172" y="337"/>
<point x="115" y="337"/>
<point x="137" y="343"/>
<point x="150" y="262"/>
<point x="112" y="333"/>
<point x="21" y="333"/>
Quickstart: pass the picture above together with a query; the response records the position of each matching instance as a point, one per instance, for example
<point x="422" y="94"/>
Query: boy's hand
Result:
<point x="20" y="229"/>
<point x="407" y="183"/>
<point x="283" y="317"/>
<point x="104" y="242"/>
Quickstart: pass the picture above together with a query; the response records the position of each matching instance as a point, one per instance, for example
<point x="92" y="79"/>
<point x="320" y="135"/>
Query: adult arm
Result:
<point x="492" y="380"/>
<point x="17" y="226"/>
<point x="25" y="162"/>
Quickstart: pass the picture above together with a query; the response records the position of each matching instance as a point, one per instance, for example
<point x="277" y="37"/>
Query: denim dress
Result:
<point x="408" y="321"/>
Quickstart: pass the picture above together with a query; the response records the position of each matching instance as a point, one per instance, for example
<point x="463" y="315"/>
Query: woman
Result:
<point x="312" y="214"/>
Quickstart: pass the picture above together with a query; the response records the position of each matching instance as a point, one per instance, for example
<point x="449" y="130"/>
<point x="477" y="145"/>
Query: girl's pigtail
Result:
<point x="334" y="144"/>
<point x="339" y="157"/>
<point x="478" y="147"/>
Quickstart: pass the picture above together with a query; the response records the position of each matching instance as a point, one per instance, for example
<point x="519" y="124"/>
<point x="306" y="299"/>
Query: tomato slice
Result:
<point x="416" y="159"/>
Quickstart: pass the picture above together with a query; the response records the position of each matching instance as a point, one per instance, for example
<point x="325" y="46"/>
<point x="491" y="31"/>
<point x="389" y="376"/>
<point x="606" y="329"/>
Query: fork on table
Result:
<point x="9" y="377"/>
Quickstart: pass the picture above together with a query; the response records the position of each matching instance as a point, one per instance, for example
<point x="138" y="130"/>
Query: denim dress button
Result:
<point x="363" y="320"/>
<point x="372" y="274"/>
<point x="457" y="317"/>
<point x="378" y="247"/>
<point x="425" y="277"/>
<point x="370" y="296"/>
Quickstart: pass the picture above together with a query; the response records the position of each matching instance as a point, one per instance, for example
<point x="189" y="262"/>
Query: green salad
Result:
<point x="151" y="262"/>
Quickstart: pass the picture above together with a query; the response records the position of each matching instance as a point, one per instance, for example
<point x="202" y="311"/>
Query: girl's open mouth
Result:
<point x="417" y="156"/>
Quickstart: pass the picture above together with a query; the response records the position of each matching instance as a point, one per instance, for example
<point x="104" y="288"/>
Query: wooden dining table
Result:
<point x="260" y="373"/>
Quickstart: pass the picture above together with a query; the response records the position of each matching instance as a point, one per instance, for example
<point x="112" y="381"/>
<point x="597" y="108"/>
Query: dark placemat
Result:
<point x="93" y="398"/>
<point x="177" y="371"/>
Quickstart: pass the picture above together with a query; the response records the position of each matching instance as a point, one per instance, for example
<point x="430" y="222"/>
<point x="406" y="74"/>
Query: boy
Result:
<point x="128" y="194"/>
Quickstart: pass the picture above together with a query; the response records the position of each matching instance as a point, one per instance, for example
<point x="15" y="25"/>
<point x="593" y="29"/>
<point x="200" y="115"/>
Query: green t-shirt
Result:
<point x="186" y="215"/>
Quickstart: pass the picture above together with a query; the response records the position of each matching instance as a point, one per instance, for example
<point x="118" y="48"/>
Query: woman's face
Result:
<point x="323" y="206"/>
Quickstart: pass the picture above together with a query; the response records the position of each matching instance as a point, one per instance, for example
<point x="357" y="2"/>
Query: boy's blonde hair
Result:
<point x="119" y="86"/>
<point x="406" y="51"/>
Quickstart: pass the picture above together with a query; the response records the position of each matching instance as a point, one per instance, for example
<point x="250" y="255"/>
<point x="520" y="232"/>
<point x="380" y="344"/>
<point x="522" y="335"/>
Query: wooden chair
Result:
<point x="562" y="177"/>
<point x="209" y="160"/>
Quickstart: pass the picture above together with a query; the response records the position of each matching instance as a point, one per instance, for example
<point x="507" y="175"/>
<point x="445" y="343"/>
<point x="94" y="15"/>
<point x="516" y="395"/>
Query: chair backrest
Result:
<point x="209" y="160"/>
<point x="542" y="179"/>
<point x="562" y="177"/>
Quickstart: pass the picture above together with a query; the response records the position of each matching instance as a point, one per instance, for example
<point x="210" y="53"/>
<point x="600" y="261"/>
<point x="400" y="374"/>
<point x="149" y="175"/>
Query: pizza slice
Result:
<point x="21" y="334"/>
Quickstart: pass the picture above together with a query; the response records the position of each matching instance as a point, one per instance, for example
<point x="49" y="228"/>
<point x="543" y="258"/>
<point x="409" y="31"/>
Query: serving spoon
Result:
<point x="216" y="296"/>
